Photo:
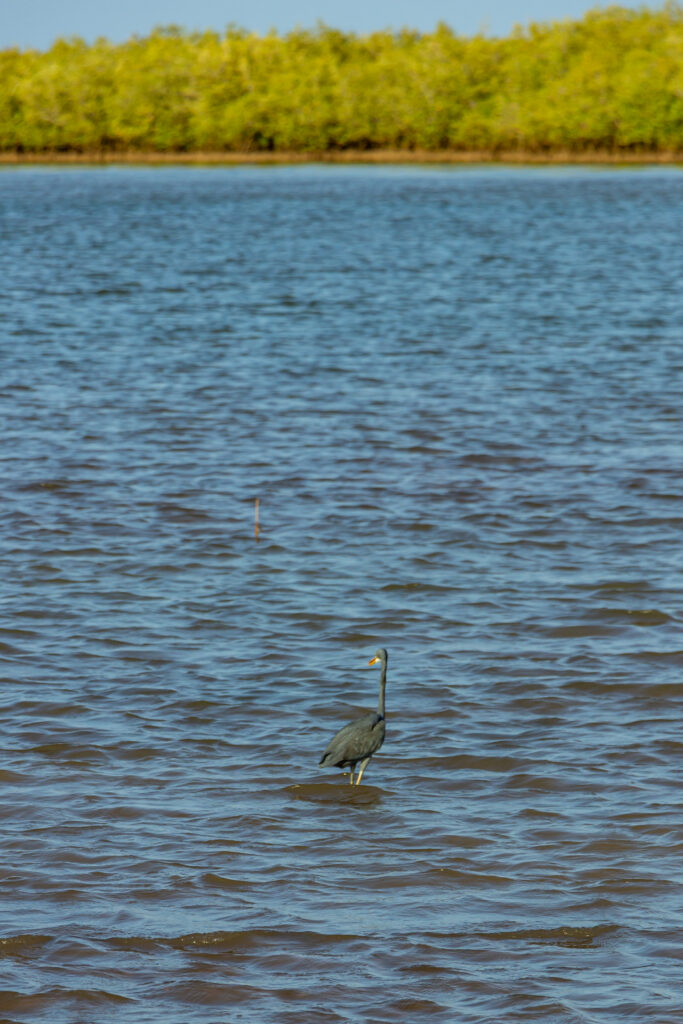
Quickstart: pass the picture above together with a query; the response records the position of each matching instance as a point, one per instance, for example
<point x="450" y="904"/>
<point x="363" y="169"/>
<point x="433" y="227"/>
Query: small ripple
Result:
<point x="221" y="882"/>
<point x="60" y="998"/>
<point x="24" y="945"/>
<point x="210" y="993"/>
<point x="580" y="630"/>
<point x="571" y="936"/>
<point x="636" y="616"/>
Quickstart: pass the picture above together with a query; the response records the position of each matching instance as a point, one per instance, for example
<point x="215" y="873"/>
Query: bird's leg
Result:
<point x="363" y="766"/>
<point x="351" y="768"/>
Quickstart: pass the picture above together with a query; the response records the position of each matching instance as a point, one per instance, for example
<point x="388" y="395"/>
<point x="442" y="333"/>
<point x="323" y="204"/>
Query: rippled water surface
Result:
<point x="458" y="396"/>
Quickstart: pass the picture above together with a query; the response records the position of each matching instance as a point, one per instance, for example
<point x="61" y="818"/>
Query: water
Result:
<point x="458" y="395"/>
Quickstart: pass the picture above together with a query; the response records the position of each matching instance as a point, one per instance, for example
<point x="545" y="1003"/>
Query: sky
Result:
<point x="37" y="23"/>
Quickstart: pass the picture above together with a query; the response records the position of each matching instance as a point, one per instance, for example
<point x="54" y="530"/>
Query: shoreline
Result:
<point x="350" y="156"/>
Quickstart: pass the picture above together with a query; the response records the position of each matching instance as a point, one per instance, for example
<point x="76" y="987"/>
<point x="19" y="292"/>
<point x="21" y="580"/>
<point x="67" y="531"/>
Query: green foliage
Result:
<point x="613" y="80"/>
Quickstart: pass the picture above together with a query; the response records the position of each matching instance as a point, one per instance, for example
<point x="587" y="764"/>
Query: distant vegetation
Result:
<point x="612" y="81"/>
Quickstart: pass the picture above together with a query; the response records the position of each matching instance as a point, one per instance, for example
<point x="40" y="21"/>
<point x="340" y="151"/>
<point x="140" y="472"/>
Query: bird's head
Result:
<point x="380" y="657"/>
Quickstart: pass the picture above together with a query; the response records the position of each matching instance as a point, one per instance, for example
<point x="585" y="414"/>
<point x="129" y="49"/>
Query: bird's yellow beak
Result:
<point x="373" y="661"/>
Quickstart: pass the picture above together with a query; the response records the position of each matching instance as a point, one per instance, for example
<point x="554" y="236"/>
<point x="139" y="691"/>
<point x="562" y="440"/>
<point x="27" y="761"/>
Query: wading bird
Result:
<point x="363" y="737"/>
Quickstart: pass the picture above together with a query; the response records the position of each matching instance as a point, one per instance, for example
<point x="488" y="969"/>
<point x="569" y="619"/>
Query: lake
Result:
<point x="457" y="394"/>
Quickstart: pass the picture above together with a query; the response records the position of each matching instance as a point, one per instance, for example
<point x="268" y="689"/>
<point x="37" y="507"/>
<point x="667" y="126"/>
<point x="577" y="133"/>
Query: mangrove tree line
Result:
<point x="612" y="80"/>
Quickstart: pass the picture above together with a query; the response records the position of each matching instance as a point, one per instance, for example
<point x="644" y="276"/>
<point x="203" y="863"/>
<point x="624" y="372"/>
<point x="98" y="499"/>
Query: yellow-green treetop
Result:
<point x="612" y="80"/>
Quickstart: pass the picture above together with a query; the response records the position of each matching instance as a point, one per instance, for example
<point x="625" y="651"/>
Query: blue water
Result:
<point x="457" y="394"/>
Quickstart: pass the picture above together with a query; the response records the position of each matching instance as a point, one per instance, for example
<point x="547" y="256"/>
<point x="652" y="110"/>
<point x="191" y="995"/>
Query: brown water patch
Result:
<point x="340" y="794"/>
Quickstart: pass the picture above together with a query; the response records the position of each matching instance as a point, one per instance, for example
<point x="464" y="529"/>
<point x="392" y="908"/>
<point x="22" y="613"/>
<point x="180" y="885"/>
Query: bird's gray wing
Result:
<point x="355" y="740"/>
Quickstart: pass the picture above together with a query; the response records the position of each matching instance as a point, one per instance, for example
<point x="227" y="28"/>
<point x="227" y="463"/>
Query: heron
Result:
<point x="363" y="737"/>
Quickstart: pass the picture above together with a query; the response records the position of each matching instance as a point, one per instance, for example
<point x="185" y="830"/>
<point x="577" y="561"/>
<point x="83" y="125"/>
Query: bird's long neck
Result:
<point x="382" y="688"/>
